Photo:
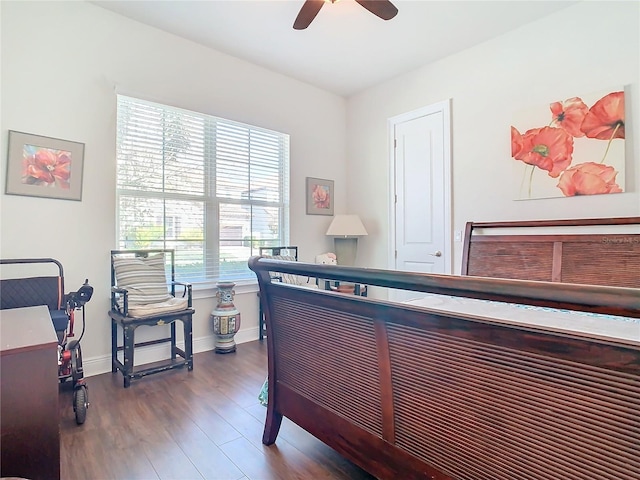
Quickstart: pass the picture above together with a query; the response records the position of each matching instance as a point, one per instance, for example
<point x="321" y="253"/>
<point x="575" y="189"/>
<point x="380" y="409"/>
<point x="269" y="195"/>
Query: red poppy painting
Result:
<point x="573" y="147"/>
<point x="319" y="196"/>
<point x="41" y="166"/>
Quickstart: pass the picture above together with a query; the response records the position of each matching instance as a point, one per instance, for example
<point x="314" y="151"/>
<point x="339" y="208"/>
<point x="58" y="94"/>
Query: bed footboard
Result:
<point x="411" y="392"/>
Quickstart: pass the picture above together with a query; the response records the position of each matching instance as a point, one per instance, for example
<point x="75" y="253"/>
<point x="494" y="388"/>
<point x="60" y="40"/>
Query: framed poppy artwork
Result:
<point x="319" y="196"/>
<point x="40" y="166"/>
<point x="571" y="146"/>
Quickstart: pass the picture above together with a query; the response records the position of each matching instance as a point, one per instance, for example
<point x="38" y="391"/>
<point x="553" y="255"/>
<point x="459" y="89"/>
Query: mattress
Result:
<point x="584" y="324"/>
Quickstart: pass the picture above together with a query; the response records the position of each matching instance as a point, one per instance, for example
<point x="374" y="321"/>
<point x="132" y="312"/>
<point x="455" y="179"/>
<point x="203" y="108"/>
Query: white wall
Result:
<point x="62" y="63"/>
<point x="581" y="49"/>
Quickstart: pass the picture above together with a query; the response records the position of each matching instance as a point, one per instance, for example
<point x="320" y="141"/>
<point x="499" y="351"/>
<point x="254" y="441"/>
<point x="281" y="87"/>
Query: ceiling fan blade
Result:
<point x="382" y="8"/>
<point x="307" y="13"/>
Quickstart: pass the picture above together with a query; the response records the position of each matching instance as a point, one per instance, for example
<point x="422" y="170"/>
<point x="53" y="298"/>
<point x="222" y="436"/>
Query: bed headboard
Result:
<point x="604" y="251"/>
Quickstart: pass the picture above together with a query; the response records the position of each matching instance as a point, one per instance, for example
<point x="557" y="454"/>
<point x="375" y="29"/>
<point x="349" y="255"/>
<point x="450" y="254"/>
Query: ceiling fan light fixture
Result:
<point x="310" y="8"/>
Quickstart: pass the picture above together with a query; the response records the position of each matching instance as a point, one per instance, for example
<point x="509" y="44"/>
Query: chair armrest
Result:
<point x="187" y="291"/>
<point x="115" y="291"/>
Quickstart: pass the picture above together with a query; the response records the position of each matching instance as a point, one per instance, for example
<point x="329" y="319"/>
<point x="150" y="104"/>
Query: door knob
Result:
<point x="437" y="254"/>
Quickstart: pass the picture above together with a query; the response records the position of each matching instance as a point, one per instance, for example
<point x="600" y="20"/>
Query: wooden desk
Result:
<point x="29" y="422"/>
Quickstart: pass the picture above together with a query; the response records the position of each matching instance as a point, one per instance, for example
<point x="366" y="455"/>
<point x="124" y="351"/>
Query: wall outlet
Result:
<point x="458" y="235"/>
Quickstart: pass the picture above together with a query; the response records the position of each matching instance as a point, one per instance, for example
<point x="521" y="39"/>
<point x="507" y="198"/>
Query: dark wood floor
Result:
<point x="190" y="425"/>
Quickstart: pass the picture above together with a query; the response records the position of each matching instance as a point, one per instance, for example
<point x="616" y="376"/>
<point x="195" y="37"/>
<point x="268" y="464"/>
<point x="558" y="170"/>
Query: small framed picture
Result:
<point x="319" y="196"/>
<point x="40" y="166"/>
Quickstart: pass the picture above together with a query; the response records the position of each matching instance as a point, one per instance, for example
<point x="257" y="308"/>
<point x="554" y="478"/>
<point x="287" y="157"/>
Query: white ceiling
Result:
<point x="346" y="48"/>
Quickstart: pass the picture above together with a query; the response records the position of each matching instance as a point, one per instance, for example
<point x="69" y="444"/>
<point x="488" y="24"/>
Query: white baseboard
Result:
<point x="154" y="353"/>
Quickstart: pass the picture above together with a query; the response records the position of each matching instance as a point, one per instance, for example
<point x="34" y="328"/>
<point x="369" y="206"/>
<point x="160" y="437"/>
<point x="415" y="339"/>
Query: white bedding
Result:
<point x="585" y="324"/>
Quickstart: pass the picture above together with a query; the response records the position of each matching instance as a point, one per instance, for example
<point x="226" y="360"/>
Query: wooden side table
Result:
<point x="29" y="417"/>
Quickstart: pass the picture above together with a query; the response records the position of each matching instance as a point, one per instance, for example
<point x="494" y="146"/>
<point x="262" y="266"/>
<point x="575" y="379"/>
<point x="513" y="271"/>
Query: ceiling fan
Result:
<point x="382" y="8"/>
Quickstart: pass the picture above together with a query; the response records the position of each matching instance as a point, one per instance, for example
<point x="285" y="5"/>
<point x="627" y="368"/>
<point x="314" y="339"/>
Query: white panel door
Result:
<point x="422" y="235"/>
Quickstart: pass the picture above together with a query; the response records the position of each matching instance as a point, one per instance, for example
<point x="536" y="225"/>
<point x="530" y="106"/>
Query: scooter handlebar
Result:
<point x="82" y="296"/>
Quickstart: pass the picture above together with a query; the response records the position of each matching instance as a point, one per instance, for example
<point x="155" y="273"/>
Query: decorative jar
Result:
<point x="226" y="319"/>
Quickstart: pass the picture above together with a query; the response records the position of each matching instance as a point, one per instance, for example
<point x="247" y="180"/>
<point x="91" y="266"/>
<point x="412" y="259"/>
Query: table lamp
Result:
<point x="346" y="229"/>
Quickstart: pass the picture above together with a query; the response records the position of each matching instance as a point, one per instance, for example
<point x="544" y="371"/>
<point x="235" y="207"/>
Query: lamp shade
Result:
<point x="346" y="226"/>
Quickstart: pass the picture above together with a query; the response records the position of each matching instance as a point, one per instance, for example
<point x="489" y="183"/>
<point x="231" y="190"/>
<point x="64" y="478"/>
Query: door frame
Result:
<point x="444" y="107"/>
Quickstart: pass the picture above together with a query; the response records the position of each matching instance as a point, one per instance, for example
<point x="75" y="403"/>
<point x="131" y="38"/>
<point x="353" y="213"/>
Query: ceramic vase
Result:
<point x="226" y="319"/>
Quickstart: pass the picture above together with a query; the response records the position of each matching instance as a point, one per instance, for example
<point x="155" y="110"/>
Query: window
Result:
<point x="212" y="189"/>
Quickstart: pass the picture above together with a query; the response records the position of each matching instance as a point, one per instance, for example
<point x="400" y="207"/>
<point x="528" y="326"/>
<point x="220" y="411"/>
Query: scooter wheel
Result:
<point x="80" y="404"/>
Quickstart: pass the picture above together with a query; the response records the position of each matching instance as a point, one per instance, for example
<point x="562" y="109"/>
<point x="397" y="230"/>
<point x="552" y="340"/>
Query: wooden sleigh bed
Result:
<point x="482" y="377"/>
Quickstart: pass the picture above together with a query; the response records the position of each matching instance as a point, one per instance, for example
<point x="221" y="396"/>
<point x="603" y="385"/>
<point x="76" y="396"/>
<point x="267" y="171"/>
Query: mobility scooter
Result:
<point x="28" y="291"/>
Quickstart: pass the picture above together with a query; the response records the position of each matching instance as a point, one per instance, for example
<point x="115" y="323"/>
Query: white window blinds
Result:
<point x="212" y="189"/>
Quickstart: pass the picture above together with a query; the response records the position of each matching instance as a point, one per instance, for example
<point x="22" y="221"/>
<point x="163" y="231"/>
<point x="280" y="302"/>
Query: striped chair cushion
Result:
<point x="171" y="305"/>
<point x="144" y="278"/>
